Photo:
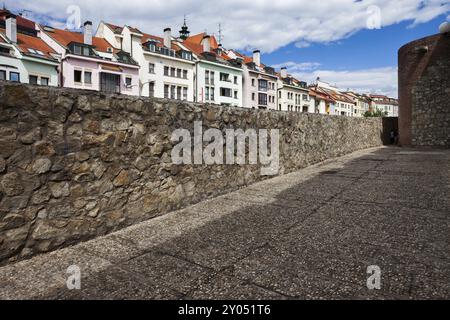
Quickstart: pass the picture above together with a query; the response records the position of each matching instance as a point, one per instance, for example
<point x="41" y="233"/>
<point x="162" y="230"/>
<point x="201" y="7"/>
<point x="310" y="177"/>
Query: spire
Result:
<point x="184" y="32"/>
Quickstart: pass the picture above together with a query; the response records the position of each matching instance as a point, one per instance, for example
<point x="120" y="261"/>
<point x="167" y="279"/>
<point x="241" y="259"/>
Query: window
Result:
<point x="235" y="80"/>
<point x="128" y="82"/>
<point x="166" y="71"/>
<point x="151" y="90"/>
<point x="186" y="55"/>
<point x="279" y="94"/>
<point x="185" y="92"/>
<point x="77" y="49"/>
<point x="212" y="94"/>
<point x="173" y="72"/>
<point x="253" y="96"/>
<point x="173" y="92"/>
<point x="88" y="77"/>
<point x="212" y="78"/>
<point x="166" y="91"/>
<point x="262" y="99"/>
<point x="33" y="79"/>
<point x="77" y="76"/>
<point x="2" y="75"/>
<point x="207" y="77"/>
<point x="253" y="82"/>
<point x="14" y="76"/>
<point x="45" y="81"/>
<point x="185" y="74"/>
<point x="4" y="50"/>
<point x="86" y="51"/>
<point x="179" y="93"/>
<point x="179" y="73"/>
<point x="224" y="77"/>
<point x="207" y="93"/>
<point x="235" y="94"/>
<point x="151" y="68"/>
<point x="263" y="85"/>
<point x="225" y="92"/>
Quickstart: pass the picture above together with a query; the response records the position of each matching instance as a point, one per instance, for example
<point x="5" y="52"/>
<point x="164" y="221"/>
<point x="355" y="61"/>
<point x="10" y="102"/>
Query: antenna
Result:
<point x="220" y="33"/>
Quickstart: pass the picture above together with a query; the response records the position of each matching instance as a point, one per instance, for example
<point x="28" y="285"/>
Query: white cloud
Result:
<point x="295" y="67"/>
<point x="302" y="44"/>
<point x="264" y="24"/>
<point x="377" y="80"/>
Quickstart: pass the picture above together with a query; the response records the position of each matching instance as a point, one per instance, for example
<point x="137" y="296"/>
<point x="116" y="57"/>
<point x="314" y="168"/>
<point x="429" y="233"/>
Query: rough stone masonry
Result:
<point x="77" y="164"/>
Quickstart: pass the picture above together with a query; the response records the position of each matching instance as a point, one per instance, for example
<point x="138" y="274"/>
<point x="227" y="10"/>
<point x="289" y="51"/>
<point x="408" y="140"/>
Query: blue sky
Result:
<point x="331" y="39"/>
<point x="365" y="49"/>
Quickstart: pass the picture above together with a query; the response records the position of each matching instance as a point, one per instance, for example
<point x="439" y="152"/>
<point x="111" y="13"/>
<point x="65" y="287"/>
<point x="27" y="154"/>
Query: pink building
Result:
<point x="92" y="63"/>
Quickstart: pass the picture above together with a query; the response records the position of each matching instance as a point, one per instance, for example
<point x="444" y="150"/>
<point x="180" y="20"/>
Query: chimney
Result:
<point x="167" y="38"/>
<point x="257" y="57"/>
<point x="206" y="44"/>
<point x="284" y="73"/>
<point x="88" y="33"/>
<point x="11" y="28"/>
<point x="219" y="49"/>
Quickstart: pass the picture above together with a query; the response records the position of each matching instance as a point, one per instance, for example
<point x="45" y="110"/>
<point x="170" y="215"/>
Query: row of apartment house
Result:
<point x="195" y="68"/>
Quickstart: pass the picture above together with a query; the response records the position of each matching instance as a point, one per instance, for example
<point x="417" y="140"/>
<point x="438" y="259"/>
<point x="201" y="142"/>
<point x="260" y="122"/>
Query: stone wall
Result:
<point x="79" y="164"/>
<point x="424" y="92"/>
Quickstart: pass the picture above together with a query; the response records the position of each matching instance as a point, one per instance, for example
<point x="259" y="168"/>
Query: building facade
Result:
<point x="260" y="82"/>
<point x="24" y="57"/>
<point x="385" y="104"/>
<point x="92" y="63"/>
<point x="166" y="66"/>
<point x="293" y="95"/>
<point x="218" y="76"/>
<point x="321" y="101"/>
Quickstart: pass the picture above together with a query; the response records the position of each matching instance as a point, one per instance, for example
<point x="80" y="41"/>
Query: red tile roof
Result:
<point x="25" y="42"/>
<point x="194" y="44"/>
<point x="65" y="37"/>
<point x="114" y="28"/>
<point x="198" y="38"/>
<point x="21" y="21"/>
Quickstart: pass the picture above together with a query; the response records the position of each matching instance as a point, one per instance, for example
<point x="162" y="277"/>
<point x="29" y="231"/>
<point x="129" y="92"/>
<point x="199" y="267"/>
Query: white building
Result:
<point x="343" y="104"/>
<point x="293" y="95"/>
<point x="218" y="76"/>
<point x="24" y="57"/>
<point x="321" y="101"/>
<point x="385" y="104"/>
<point x="361" y="102"/>
<point x="260" y="82"/>
<point x="167" y="67"/>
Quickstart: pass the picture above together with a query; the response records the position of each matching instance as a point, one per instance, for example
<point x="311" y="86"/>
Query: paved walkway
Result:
<point x="311" y="234"/>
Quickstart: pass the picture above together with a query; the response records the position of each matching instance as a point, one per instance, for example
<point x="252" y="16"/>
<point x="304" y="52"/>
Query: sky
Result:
<point x="352" y="44"/>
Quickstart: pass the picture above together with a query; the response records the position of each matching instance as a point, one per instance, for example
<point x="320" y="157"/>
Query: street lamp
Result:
<point x="141" y="85"/>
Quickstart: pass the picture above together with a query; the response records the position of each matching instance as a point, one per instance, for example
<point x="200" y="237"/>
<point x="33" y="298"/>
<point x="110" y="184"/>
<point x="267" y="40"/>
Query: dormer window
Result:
<point x="186" y="55"/>
<point x="152" y="46"/>
<point x="80" y="49"/>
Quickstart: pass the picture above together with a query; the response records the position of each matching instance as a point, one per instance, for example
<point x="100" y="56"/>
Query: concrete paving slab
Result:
<point x="310" y="234"/>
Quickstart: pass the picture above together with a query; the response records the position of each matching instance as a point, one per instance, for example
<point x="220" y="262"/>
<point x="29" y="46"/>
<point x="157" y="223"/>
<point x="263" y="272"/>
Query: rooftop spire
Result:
<point x="184" y="32"/>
